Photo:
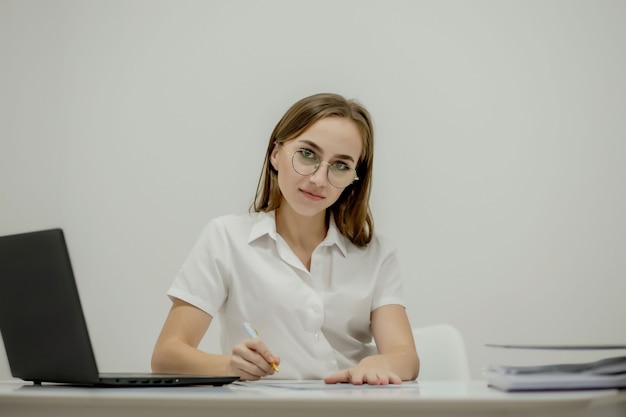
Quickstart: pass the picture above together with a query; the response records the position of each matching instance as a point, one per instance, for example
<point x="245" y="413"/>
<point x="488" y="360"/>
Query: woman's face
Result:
<point x="333" y="140"/>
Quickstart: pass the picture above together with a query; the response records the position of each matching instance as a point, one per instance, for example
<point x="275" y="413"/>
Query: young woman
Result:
<point x="304" y="267"/>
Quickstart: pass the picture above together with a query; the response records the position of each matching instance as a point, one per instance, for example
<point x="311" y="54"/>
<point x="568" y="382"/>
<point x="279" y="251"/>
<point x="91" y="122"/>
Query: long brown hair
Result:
<point x="351" y="211"/>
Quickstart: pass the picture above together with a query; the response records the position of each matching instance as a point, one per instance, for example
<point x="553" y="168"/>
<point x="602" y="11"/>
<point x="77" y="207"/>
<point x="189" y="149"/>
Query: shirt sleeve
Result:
<point x="203" y="279"/>
<point x="389" y="287"/>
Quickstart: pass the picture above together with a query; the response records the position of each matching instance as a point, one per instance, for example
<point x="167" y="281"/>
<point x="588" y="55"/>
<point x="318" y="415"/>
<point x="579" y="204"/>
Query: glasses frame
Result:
<point x="317" y="167"/>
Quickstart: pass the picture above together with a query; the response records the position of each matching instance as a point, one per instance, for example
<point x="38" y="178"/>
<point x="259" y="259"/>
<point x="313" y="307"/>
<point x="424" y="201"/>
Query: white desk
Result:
<point x="260" y="399"/>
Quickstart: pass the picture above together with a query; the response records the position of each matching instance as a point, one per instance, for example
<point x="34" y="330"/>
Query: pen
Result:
<point x="254" y="334"/>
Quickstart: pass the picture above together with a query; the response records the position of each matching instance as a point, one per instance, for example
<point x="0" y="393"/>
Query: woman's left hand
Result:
<point x="360" y="374"/>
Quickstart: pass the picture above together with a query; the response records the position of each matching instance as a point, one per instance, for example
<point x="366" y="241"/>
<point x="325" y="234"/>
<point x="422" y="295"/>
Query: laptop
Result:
<point x="43" y="325"/>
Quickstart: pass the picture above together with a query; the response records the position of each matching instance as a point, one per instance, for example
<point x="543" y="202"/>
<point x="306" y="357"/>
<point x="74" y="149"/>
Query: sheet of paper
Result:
<point x="318" y="385"/>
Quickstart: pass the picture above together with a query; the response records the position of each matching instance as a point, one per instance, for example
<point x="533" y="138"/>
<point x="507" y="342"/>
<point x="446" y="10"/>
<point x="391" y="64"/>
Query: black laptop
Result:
<point x="42" y="322"/>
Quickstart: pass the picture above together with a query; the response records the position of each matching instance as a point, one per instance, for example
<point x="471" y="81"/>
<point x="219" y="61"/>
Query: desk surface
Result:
<point x="278" y="398"/>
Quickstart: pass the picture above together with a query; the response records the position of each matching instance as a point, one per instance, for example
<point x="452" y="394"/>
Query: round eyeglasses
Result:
<point x="305" y="162"/>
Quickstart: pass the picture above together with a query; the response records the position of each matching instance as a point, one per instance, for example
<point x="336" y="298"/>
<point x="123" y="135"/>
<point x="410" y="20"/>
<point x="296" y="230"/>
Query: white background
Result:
<point x="500" y="156"/>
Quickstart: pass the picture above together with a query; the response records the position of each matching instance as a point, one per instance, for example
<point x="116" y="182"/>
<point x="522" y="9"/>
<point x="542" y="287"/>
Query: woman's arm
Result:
<point x="176" y="349"/>
<point x="397" y="359"/>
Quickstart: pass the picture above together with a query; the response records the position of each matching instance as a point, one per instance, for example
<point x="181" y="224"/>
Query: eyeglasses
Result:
<point x="305" y="162"/>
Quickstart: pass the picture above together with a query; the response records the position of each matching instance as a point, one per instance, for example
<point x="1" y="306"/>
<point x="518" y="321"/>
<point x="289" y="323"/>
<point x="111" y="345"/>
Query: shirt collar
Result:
<point x="265" y="224"/>
<point x="334" y="237"/>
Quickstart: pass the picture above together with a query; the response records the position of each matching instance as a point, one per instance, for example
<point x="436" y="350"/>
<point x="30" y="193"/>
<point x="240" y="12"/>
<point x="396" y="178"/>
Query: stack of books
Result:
<point x="607" y="373"/>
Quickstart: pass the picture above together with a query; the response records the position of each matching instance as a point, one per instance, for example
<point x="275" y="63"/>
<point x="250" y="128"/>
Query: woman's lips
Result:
<point x="311" y="195"/>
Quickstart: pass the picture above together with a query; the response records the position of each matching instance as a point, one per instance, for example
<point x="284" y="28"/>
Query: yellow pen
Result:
<point x="254" y="334"/>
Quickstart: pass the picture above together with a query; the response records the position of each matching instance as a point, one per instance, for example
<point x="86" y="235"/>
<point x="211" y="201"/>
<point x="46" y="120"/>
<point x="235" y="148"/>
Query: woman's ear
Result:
<point x="274" y="156"/>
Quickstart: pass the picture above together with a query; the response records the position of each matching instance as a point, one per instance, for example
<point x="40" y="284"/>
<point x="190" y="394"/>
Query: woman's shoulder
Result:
<point x="382" y="239"/>
<point x="232" y="221"/>
<point x="379" y="243"/>
<point x="232" y="218"/>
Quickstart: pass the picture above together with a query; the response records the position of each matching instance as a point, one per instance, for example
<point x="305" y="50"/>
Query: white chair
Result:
<point x="442" y="354"/>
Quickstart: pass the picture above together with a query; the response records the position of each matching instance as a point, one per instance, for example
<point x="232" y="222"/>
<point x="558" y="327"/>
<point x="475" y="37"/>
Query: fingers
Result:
<point x="358" y="376"/>
<point x="252" y="360"/>
<point x="338" y="377"/>
<point x="264" y="358"/>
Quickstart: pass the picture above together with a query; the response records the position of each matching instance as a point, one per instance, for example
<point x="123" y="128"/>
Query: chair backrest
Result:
<point x="442" y="354"/>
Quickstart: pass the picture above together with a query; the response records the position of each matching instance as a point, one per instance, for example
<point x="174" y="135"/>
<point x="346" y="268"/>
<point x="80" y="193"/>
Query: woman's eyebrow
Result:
<point x="318" y="149"/>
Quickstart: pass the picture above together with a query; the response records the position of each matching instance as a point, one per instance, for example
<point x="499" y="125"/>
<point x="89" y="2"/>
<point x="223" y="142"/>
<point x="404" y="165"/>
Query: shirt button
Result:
<point x="317" y="336"/>
<point x="331" y="366"/>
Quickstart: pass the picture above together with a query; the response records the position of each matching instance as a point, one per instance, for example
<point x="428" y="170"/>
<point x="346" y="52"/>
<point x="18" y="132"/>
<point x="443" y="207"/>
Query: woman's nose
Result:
<point x="320" y="176"/>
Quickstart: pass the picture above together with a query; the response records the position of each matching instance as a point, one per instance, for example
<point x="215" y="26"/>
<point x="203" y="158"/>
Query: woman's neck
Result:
<point x="301" y="232"/>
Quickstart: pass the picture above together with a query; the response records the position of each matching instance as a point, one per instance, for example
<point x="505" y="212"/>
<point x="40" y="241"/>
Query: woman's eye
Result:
<point x="340" y="166"/>
<point x="307" y="154"/>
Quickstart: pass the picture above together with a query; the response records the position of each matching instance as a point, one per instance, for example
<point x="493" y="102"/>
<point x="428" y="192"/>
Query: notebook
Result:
<point x="43" y="325"/>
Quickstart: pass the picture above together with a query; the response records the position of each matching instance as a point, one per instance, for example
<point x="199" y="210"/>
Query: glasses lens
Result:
<point x="305" y="162"/>
<point x="341" y="176"/>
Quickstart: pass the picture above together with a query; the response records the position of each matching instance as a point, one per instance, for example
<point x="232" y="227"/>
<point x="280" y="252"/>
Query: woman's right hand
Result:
<point x="251" y="360"/>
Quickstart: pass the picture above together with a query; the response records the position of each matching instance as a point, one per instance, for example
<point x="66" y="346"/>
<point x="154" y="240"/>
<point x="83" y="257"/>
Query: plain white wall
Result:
<point x="499" y="173"/>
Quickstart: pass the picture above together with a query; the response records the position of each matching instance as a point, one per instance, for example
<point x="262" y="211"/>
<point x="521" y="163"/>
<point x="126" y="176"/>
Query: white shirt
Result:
<point x="318" y="322"/>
